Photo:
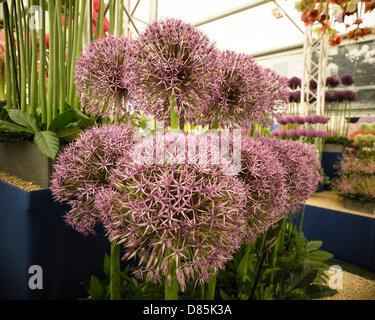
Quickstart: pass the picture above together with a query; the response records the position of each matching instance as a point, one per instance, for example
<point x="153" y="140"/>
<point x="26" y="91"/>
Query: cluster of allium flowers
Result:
<point x="264" y="177"/>
<point x="300" y="133"/>
<point x="294" y="83"/>
<point x="83" y="168"/>
<point x="246" y="91"/>
<point x="314" y="119"/>
<point x="104" y="77"/>
<point x="332" y="82"/>
<point x="178" y="213"/>
<point x="347" y="79"/>
<point x="301" y="163"/>
<point x="356" y="186"/>
<point x="175" y="58"/>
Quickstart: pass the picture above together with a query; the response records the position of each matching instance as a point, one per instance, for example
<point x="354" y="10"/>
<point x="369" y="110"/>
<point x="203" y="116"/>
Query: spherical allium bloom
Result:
<point x="246" y="91"/>
<point x="104" y="76"/>
<point x="274" y="133"/>
<point x="175" y="211"/>
<point x="297" y="96"/>
<point x="282" y="133"/>
<point x="332" y="82"/>
<point x="310" y="133"/>
<point x="289" y="119"/>
<point x="301" y="164"/>
<point x="290" y="96"/>
<point x="300" y="132"/>
<point x="264" y="177"/>
<point x="319" y="119"/>
<point x="321" y="134"/>
<point x="347" y="79"/>
<point x="281" y="120"/>
<point x="313" y="84"/>
<point x="338" y="96"/>
<point x="175" y="59"/>
<point x="291" y="133"/>
<point x="83" y="167"/>
<point x="328" y="96"/>
<point x="299" y="119"/>
<point x="309" y="119"/>
<point x="349" y="95"/>
<point x="294" y="83"/>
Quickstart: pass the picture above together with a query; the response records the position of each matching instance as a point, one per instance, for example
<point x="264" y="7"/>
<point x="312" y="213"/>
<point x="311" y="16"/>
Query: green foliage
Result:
<point x="293" y="269"/>
<point x="338" y="140"/>
<point x="17" y="125"/>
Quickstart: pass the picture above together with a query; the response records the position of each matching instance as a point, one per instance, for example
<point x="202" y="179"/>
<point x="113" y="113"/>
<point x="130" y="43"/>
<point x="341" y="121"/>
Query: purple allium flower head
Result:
<point x="338" y="96"/>
<point x="104" y="76"/>
<point x="310" y="133"/>
<point x="328" y="96"/>
<point x="289" y="119"/>
<point x="294" y="83"/>
<point x="246" y="91"/>
<point x="313" y="84"/>
<point x="347" y="79"/>
<point x="175" y="59"/>
<point x="274" y="133"/>
<point x="309" y="119"/>
<point x="299" y="119"/>
<point x="301" y="163"/>
<point x="291" y="133"/>
<point x="349" y="95"/>
<point x="316" y="118"/>
<point x="291" y="96"/>
<point x="323" y="119"/>
<point x="300" y="132"/>
<point x="83" y="167"/>
<point x="264" y="177"/>
<point x="332" y="82"/>
<point x="297" y="96"/>
<point x="281" y="120"/>
<point x="282" y="133"/>
<point x="321" y="133"/>
<point x="174" y="214"/>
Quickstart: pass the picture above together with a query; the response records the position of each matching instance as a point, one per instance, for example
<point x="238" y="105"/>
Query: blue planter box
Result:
<point x="350" y="237"/>
<point x="330" y="162"/>
<point x="33" y="232"/>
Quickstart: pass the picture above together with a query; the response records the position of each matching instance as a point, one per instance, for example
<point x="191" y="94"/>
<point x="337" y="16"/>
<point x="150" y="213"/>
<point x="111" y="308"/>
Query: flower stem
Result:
<point x="171" y="292"/>
<point x="115" y="282"/>
<point x="211" y="287"/>
<point x="174" y="116"/>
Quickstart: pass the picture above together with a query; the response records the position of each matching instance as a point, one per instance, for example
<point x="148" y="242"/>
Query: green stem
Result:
<point x="8" y="76"/>
<point x="34" y="71"/>
<point x="215" y="125"/>
<point x="22" y="55"/>
<point x="174" y="117"/>
<point x="211" y="288"/>
<point x="61" y="56"/>
<point x="2" y="83"/>
<point x="302" y="217"/>
<point x="51" y="77"/>
<point x="42" y="66"/>
<point x="115" y="279"/>
<point x="171" y="292"/>
<point x="202" y="292"/>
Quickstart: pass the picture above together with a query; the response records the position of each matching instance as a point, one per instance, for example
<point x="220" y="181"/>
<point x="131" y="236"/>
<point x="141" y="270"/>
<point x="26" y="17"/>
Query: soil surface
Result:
<point x="25" y="185"/>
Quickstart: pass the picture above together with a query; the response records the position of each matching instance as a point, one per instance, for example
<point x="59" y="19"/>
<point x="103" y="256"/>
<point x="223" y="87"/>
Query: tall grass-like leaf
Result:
<point x="48" y="143"/>
<point x="42" y="66"/>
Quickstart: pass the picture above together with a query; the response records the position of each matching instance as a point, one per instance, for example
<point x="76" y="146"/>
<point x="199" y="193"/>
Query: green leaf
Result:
<point x="106" y="265"/>
<point x="270" y="271"/>
<point x="223" y="295"/>
<point x="48" y="143"/>
<point x="12" y="127"/>
<point x="96" y="289"/>
<point x="69" y="133"/>
<point x="317" y="291"/>
<point x="320" y="255"/>
<point x="61" y="121"/>
<point x="24" y="119"/>
<point x="313" y="245"/>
